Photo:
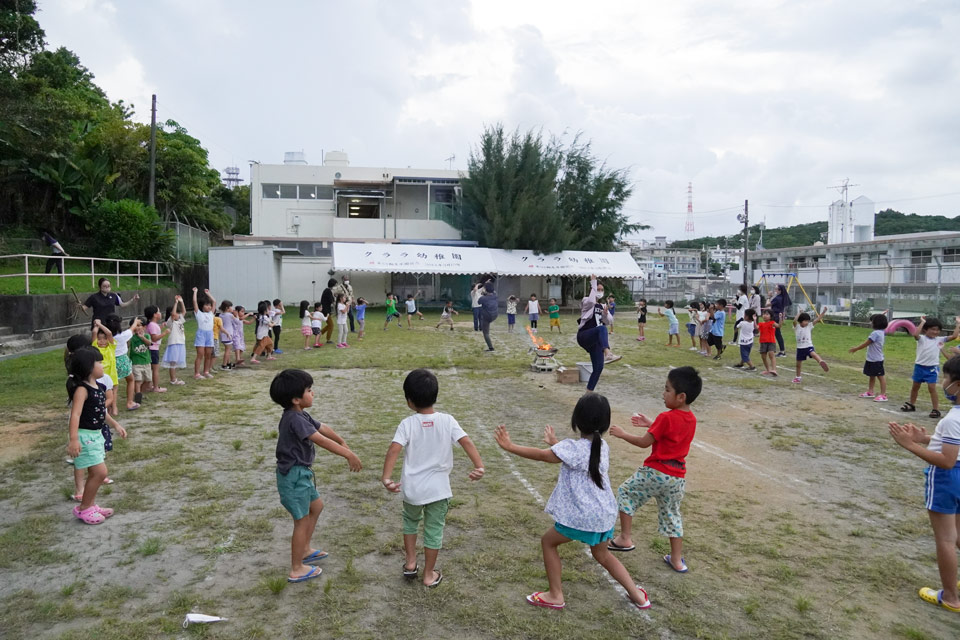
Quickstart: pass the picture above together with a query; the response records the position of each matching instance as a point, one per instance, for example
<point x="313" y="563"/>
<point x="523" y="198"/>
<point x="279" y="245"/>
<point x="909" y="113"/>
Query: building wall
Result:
<point x="244" y="275"/>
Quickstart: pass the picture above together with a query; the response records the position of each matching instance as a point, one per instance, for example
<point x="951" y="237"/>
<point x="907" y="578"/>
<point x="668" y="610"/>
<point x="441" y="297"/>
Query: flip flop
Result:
<point x="134" y="407"/>
<point x="313" y="573"/>
<point x="436" y="583"/>
<point x="107" y="481"/>
<point x="409" y="574"/>
<point x="613" y="546"/>
<point x="934" y="596"/>
<point x="666" y="559"/>
<point x="537" y="601"/>
<point x="316" y="555"/>
<point x="643" y="606"/>
<point x="824" y="366"/>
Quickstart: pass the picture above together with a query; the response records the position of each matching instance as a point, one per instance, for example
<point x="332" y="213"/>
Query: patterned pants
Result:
<point x="649" y="483"/>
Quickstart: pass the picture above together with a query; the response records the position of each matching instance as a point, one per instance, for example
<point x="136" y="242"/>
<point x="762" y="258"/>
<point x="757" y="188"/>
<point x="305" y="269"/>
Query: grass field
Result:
<point x="16" y="285"/>
<point x="803" y="519"/>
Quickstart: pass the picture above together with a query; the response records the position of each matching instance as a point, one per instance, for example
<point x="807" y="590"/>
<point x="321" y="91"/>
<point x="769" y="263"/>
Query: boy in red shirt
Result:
<point x="768" y="337"/>
<point x="663" y="472"/>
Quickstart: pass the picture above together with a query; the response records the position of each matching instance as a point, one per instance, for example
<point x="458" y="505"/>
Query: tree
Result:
<point x="510" y="197"/>
<point x="20" y="34"/>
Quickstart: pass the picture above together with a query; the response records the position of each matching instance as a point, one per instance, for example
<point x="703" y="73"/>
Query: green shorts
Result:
<point x="92" y="452"/>
<point x="124" y="366"/>
<point x="668" y="490"/>
<point x="434" y="516"/>
<point x="297" y="490"/>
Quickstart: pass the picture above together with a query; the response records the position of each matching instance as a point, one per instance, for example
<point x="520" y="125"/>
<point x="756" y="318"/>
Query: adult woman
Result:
<point x="756" y="301"/>
<point x="489" y="305"/>
<point x="104" y="302"/>
<point x="55" y="261"/>
<point x="326" y="308"/>
<point x="592" y="334"/>
<point x="475" y="292"/>
<point x="779" y="304"/>
<point x="742" y="304"/>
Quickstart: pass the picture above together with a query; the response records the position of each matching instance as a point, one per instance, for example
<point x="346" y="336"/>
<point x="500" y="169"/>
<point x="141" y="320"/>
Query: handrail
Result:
<point x="93" y="272"/>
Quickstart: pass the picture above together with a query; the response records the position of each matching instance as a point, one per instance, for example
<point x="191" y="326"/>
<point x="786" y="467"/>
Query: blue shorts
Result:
<point x="511" y="318"/>
<point x="691" y="329"/>
<point x="534" y="317"/>
<point x="941" y="489"/>
<point x="204" y="338"/>
<point x="745" y="350"/>
<point x="803" y="354"/>
<point x="925" y="374"/>
<point x="591" y="538"/>
<point x="674" y="329"/>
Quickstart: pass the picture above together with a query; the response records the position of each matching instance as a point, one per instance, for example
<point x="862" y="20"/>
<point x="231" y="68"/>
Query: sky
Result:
<point x="761" y="100"/>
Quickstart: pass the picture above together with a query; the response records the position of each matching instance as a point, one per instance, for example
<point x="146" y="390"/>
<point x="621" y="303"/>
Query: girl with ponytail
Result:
<point x="582" y="503"/>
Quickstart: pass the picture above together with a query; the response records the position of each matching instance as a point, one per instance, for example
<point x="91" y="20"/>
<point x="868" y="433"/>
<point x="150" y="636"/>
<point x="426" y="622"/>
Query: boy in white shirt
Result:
<point x="927" y="365"/>
<point x="533" y="311"/>
<point x="412" y="309"/>
<point x="747" y="329"/>
<point x="317" y="320"/>
<point x="803" y="327"/>
<point x="426" y="439"/>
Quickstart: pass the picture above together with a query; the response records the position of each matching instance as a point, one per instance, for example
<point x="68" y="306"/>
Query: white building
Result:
<point x="851" y="221"/>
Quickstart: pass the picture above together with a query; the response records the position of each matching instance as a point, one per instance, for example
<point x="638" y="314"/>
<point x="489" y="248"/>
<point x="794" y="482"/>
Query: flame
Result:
<point x="538" y="342"/>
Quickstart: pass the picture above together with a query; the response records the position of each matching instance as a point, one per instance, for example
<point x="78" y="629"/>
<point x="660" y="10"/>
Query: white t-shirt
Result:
<point x="533" y="307"/>
<point x="411" y="306"/>
<point x="446" y="312"/>
<point x="122" y="339"/>
<point x="263" y="327"/>
<point x="744" y="305"/>
<point x="342" y="313"/>
<point x="176" y="330"/>
<point x="427" y="440"/>
<point x="475" y="296"/>
<point x="928" y="350"/>
<point x="746" y="332"/>
<point x="804" y="336"/>
<point x="305" y="320"/>
<point x="276" y="317"/>
<point x="204" y="320"/>
<point x="947" y="431"/>
<point x="577" y="501"/>
<point x="317" y="319"/>
<point x="106" y="381"/>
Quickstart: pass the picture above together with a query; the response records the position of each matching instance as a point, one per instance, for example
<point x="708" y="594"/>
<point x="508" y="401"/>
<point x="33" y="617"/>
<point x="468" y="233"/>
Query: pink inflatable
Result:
<point x="904" y="324"/>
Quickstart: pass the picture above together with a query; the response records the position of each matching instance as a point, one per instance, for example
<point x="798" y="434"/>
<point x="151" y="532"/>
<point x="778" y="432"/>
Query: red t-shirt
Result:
<point x="767" y="331"/>
<point x="672" y="432"/>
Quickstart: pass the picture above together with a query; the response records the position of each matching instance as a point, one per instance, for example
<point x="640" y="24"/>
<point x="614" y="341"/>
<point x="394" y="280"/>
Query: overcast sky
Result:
<point x="748" y="99"/>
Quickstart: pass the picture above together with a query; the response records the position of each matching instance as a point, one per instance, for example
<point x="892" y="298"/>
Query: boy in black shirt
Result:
<point x="292" y="389"/>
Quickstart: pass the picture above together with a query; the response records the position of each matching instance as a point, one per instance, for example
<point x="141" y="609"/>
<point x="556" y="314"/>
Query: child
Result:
<point x="203" y="341"/>
<point x="426" y="439"/>
<point x="716" y="330"/>
<point x="803" y="327"/>
<point x="124" y="364"/>
<point x="157" y="335"/>
<point x="533" y="311"/>
<point x="140" y="358"/>
<point x="292" y="389"/>
<point x="693" y="323"/>
<point x="276" y="317"/>
<point x="768" y="343"/>
<point x="317" y="319"/>
<point x="262" y="334"/>
<point x="412" y="310"/>
<point x="554" y="311"/>
<point x="873" y="367"/>
<point x="511" y="312"/>
<point x="663" y="473"/>
<point x="230" y="327"/>
<point x="705" y="317"/>
<point x="745" y="339"/>
<point x="611" y="309"/>
<point x="361" y="308"/>
<point x="342" y="330"/>
<point x="217" y="329"/>
<point x="446" y="317"/>
<point x="942" y="485"/>
<point x="641" y="318"/>
<point x="673" y="326"/>
<point x="306" y="330"/>
<point x="175" y="355"/>
<point x="102" y="340"/>
<point x="926" y="366"/>
<point x="88" y="418"/>
<point x="392" y="312"/>
<point x="582" y="504"/>
<point x="239" y="339"/>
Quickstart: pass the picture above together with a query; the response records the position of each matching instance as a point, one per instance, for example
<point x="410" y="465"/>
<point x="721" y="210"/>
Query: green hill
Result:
<point x="888" y="222"/>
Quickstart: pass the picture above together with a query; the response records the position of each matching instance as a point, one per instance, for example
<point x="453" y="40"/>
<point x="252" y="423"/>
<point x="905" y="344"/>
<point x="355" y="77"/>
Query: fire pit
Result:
<point x="543" y="360"/>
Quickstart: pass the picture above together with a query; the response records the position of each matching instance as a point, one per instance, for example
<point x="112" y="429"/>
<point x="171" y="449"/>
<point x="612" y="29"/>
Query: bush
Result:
<point x="128" y="230"/>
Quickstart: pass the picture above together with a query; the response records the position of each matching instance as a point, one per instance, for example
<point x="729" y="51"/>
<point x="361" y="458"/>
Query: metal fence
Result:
<point x="190" y="243"/>
<point x="95" y="268"/>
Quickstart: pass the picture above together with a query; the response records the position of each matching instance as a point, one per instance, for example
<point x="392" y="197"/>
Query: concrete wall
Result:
<point x="29" y="313"/>
<point x="245" y="274"/>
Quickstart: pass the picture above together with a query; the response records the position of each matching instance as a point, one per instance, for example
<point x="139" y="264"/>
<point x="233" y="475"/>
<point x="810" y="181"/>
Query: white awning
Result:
<point x="419" y="258"/>
<point x="411" y="258"/>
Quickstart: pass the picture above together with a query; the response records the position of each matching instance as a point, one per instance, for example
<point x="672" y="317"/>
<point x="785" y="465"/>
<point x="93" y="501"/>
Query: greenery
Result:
<point x="887" y="223"/>
<point x="128" y="229"/>
<point x="65" y="149"/>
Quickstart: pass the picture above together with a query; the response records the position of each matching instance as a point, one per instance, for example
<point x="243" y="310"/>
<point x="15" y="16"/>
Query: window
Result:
<point x="855" y="259"/>
<point x="308" y="192"/>
<point x="271" y="190"/>
<point x="324" y="193"/>
<point x="921" y="256"/>
<point x="951" y="254"/>
<point x="288" y="191"/>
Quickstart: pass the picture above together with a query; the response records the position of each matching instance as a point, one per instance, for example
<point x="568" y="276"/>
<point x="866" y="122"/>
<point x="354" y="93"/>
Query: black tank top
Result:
<point x="93" y="416"/>
<point x="594" y="320"/>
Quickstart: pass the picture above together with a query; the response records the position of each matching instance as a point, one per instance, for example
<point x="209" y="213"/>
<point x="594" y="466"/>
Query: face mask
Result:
<point x="948" y="396"/>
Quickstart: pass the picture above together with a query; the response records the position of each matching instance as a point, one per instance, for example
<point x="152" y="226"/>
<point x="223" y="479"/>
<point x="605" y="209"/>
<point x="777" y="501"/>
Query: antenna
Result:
<point x="450" y="160"/>
<point x="846" y="215"/>
<point x="842" y="188"/>
<point x="688" y="227"/>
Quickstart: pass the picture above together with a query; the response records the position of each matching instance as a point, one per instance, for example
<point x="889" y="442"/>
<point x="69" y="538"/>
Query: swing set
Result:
<point x="791" y="279"/>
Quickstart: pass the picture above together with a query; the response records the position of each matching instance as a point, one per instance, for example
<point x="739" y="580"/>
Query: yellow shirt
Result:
<point x="109" y="354"/>
<point x="217" y="326"/>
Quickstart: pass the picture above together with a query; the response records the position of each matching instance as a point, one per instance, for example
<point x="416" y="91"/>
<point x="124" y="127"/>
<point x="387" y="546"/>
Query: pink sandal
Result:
<point x="89" y="516"/>
<point x="536" y="600"/>
<point x="106" y="512"/>
<point x="642" y="606"/>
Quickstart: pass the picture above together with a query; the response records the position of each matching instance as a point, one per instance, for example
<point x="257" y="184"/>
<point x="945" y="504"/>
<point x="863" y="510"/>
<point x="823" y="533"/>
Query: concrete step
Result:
<point x="6" y="331"/>
<point x="19" y="342"/>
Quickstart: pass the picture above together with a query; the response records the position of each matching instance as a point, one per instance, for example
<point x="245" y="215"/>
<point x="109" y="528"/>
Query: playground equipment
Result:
<point x="904" y="324"/>
<point x="790" y="280"/>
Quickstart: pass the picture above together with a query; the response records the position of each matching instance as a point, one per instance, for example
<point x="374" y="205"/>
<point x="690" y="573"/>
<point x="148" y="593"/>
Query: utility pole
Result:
<point x="745" y="219"/>
<point x="151" y="197"/>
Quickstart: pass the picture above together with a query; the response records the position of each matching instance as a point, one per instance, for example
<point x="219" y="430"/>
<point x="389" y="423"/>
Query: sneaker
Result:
<point x="693" y="349"/>
<point x="867" y="394"/>
<point x="611" y="358"/>
<point x="739" y="365"/>
<point x="278" y="351"/>
<point x="751" y="368"/>
<point x="178" y="381"/>
<point x="880" y="398"/>
<point x="797" y="380"/>
<point x="782" y="354"/>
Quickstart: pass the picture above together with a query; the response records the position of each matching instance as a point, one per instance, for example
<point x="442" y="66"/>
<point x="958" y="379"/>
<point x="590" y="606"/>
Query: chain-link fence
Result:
<point x="190" y="243"/>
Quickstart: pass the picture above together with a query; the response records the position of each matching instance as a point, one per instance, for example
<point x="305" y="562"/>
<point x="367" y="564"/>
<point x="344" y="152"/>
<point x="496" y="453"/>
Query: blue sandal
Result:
<point x="313" y="573"/>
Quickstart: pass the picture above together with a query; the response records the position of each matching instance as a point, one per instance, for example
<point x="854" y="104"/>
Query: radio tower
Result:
<point x="688" y="228"/>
